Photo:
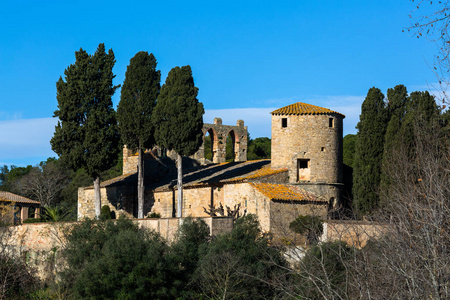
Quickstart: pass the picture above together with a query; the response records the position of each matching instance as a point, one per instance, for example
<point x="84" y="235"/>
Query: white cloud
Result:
<point x="26" y="138"/>
<point x="258" y="120"/>
<point x="27" y="141"/>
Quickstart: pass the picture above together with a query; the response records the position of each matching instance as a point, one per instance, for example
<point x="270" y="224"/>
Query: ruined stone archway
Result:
<point x="220" y="133"/>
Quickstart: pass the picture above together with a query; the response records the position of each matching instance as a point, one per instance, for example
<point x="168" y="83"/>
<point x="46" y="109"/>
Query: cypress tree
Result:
<point x="421" y="110"/>
<point x="138" y="98"/>
<point x="86" y="135"/>
<point x="369" y="151"/>
<point x="396" y="110"/>
<point x="178" y="119"/>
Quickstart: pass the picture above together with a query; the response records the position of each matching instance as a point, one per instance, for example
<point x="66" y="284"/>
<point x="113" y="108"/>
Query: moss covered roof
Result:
<point x="285" y="192"/>
<point x="300" y="108"/>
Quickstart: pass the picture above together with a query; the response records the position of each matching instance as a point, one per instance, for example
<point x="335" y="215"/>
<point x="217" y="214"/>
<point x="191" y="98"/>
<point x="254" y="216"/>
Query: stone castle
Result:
<point x="303" y="177"/>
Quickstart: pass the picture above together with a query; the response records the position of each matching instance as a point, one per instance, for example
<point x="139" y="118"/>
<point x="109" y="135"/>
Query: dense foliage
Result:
<point x="178" y="115"/>
<point x="86" y="135"/>
<point x="349" y="143"/>
<point x="369" y="151"/>
<point x="310" y="226"/>
<point x="134" y="113"/>
<point x="119" y="260"/>
<point x="258" y="148"/>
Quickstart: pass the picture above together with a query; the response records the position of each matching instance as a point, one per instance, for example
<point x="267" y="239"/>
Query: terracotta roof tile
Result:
<point x="263" y="172"/>
<point x="285" y="192"/>
<point x="7" y="196"/>
<point x="300" y="108"/>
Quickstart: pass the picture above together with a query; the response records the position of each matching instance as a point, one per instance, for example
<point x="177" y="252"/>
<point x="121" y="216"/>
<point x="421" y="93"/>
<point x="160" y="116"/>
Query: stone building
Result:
<point x="307" y="140"/>
<point x="303" y="177"/>
<point x="16" y="209"/>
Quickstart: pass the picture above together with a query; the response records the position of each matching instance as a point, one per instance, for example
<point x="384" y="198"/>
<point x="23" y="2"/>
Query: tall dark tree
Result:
<point x="138" y="98"/>
<point x="396" y="110"/>
<point x="86" y="135"/>
<point x="422" y="107"/>
<point x="369" y="151"/>
<point x="178" y="118"/>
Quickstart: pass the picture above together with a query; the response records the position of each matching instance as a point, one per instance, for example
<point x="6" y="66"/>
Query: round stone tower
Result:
<point x="307" y="140"/>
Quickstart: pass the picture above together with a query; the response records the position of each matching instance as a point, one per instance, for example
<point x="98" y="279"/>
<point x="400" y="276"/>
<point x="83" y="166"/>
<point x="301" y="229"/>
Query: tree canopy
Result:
<point x="138" y="98"/>
<point x="178" y="115"/>
<point x="369" y="151"/>
<point x="86" y="135"/>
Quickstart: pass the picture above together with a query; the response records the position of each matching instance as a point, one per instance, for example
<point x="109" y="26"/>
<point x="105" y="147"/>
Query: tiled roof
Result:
<point x="7" y="196"/>
<point x="285" y="192"/>
<point x="263" y="172"/>
<point x="300" y="108"/>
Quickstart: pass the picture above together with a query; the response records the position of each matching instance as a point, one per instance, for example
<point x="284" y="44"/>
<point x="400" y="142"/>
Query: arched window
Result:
<point x="208" y="145"/>
<point x="230" y="146"/>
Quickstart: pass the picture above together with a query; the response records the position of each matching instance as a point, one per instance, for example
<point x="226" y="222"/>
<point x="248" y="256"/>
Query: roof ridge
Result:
<point x="300" y="108"/>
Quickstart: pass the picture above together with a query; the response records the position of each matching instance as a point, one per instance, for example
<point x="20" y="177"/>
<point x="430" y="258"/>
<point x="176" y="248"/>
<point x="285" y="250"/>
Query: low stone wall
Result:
<point x="354" y="233"/>
<point x="40" y="243"/>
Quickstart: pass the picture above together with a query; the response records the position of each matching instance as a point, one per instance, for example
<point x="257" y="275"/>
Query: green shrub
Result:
<point x="154" y="215"/>
<point x="115" y="260"/>
<point x="105" y="213"/>
<point x="33" y="220"/>
<point x="311" y="226"/>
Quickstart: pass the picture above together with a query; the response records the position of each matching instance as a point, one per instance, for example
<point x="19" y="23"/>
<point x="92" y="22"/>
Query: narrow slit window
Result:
<point x="284" y="122"/>
<point x="330" y="122"/>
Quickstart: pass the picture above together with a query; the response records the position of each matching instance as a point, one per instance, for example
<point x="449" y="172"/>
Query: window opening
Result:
<point x="229" y="147"/>
<point x="284" y="122"/>
<point x="330" y="122"/>
<point x="208" y="146"/>
<point x="303" y="163"/>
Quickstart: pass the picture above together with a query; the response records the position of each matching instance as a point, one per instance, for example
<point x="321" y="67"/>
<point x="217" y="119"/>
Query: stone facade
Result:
<point x="308" y="141"/>
<point x="304" y="176"/>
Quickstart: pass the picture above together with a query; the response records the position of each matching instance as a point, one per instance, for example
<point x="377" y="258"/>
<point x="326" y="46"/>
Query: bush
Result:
<point x="241" y="264"/>
<point x="33" y="220"/>
<point x="16" y="277"/>
<point x="323" y="271"/>
<point x="105" y="213"/>
<point x="311" y="226"/>
<point x="154" y="215"/>
<point x="115" y="260"/>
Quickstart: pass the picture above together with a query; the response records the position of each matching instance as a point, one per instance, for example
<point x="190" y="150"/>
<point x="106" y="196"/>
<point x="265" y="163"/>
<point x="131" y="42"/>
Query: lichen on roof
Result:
<point x="263" y="172"/>
<point x="285" y="192"/>
<point x="300" y="108"/>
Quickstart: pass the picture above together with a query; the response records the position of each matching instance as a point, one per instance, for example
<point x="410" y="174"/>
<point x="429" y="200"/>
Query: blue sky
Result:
<point x="248" y="57"/>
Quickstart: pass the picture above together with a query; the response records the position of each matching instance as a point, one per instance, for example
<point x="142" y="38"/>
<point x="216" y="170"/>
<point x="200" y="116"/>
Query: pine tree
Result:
<point x="86" y="135"/>
<point x="369" y="151"/>
<point x="178" y="119"/>
<point x="138" y="98"/>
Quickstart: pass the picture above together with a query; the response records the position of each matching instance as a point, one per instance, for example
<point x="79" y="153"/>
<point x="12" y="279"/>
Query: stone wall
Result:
<point x="354" y="233"/>
<point x="282" y="213"/>
<point x="195" y="199"/>
<point x="251" y="201"/>
<point x="308" y="138"/>
<point x="118" y="198"/>
<point x="40" y="243"/>
<point x="219" y="134"/>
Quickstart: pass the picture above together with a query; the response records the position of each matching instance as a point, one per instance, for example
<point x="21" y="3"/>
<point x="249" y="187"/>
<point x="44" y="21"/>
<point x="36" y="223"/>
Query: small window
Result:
<point x="322" y="149"/>
<point x="303" y="163"/>
<point x="330" y="122"/>
<point x="284" y="122"/>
